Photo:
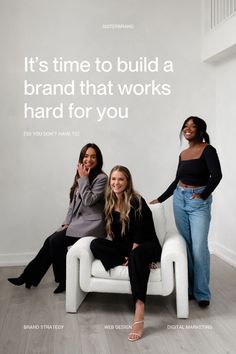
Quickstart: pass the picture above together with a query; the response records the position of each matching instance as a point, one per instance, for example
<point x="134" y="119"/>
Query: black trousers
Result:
<point x="113" y="254"/>
<point x="53" y="253"/>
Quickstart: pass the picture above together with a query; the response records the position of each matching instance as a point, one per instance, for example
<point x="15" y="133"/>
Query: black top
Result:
<point x="204" y="171"/>
<point x="141" y="227"/>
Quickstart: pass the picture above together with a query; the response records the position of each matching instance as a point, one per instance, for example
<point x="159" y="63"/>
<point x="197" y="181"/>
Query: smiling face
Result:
<point x="190" y="131"/>
<point x="118" y="182"/>
<point x="90" y="158"/>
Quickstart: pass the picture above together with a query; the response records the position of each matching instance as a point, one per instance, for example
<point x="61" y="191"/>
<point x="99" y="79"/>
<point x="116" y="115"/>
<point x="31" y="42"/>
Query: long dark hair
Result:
<point x="201" y="125"/>
<point x="94" y="171"/>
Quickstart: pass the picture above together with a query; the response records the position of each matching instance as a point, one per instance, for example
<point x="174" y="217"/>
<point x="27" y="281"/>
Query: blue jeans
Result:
<point x="192" y="218"/>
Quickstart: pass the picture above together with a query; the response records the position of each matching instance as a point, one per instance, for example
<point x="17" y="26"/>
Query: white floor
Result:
<point x="35" y="321"/>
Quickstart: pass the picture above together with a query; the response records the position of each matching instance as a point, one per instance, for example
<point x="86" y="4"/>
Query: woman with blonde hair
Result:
<point x="132" y="239"/>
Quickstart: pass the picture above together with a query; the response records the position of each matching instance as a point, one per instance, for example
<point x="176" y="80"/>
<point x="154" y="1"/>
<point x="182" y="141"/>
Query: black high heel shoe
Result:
<point x="61" y="288"/>
<point x="204" y="303"/>
<point x="17" y="281"/>
<point x="20" y="281"/>
<point x="28" y="285"/>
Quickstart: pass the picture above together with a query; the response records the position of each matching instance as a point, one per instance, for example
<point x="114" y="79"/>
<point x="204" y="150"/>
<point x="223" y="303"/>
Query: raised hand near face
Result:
<point x="83" y="171"/>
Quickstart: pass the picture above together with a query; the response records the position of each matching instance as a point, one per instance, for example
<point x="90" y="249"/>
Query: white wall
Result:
<point x="36" y="173"/>
<point x="223" y="227"/>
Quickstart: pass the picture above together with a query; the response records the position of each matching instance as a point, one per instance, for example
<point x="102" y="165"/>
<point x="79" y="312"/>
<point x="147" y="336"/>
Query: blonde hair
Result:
<point x="125" y="202"/>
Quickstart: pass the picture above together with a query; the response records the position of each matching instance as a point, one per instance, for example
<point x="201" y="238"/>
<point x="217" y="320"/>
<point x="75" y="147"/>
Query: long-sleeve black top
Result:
<point x="204" y="171"/>
<point x="141" y="226"/>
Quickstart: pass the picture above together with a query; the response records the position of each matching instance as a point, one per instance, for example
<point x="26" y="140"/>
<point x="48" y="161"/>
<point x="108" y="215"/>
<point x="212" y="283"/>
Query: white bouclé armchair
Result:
<point x="86" y="274"/>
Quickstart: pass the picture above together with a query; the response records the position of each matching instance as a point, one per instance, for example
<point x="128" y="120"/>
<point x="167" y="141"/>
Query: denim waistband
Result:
<point x="196" y="190"/>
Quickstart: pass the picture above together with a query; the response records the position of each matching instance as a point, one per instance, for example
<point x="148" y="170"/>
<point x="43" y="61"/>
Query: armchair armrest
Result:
<point x="81" y="250"/>
<point x="78" y="272"/>
<point x="174" y="247"/>
<point x="174" y="256"/>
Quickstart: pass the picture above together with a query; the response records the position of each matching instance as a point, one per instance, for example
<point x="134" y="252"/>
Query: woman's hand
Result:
<point x="153" y="265"/>
<point x="135" y="245"/>
<point x="82" y="170"/>
<point x="126" y="261"/>
<point x="195" y="196"/>
<point x="65" y="226"/>
<point x="155" y="201"/>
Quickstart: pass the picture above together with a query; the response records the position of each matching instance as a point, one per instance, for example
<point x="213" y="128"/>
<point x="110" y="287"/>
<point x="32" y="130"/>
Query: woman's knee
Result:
<point x="137" y="252"/>
<point x="146" y="252"/>
<point x="56" y="239"/>
<point x="99" y="246"/>
<point x="47" y="242"/>
<point x="95" y="245"/>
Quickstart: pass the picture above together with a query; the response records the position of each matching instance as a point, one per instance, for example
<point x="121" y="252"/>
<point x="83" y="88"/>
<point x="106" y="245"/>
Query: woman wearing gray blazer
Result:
<point x="84" y="218"/>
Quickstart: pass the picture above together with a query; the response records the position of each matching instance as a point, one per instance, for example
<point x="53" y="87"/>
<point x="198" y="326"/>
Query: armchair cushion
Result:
<point x="119" y="272"/>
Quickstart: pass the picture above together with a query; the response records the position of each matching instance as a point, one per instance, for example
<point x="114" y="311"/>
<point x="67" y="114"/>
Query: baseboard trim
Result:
<point x="15" y="259"/>
<point x="223" y="252"/>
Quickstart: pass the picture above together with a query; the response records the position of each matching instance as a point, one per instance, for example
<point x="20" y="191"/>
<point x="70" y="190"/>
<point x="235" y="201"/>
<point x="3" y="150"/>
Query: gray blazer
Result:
<point x="85" y="214"/>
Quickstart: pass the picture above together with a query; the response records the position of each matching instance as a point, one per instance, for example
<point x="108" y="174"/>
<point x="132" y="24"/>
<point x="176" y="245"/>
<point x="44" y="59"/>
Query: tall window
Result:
<point x="221" y="10"/>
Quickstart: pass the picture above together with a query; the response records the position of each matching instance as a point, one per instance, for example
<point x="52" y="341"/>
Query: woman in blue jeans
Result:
<point x="197" y="176"/>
